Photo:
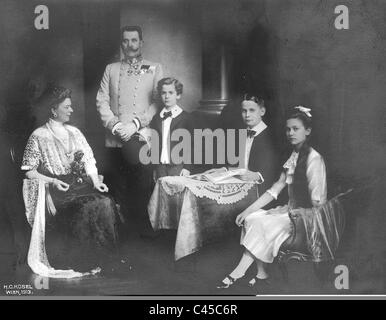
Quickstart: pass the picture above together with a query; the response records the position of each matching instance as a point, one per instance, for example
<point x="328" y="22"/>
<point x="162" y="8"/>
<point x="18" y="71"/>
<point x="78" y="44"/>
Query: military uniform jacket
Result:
<point x="126" y="91"/>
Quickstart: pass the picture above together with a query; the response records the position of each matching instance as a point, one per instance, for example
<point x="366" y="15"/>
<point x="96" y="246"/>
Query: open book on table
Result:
<point x="222" y="176"/>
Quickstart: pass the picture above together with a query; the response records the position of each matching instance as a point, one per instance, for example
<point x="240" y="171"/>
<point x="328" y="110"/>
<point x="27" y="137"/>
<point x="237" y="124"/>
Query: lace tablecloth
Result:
<point x="221" y="193"/>
<point x="202" y="212"/>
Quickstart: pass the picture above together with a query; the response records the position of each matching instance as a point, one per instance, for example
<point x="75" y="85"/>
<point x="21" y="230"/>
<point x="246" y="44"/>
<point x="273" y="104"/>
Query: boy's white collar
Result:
<point x="259" y="128"/>
<point x="176" y="110"/>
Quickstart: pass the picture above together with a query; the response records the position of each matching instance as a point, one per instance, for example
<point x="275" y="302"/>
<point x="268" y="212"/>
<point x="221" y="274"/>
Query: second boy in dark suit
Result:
<point x="260" y="152"/>
<point x="171" y="118"/>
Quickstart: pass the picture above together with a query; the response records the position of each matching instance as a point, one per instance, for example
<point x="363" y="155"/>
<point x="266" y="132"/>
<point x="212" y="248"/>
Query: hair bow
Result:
<point x="304" y="110"/>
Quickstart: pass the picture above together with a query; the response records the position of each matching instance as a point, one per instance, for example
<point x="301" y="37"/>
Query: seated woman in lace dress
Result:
<point x="263" y="232"/>
<point x="62" y="176"/>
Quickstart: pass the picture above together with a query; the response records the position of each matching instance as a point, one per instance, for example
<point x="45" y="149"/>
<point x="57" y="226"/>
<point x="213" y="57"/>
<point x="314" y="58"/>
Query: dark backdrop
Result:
<point x="286" y="50"/>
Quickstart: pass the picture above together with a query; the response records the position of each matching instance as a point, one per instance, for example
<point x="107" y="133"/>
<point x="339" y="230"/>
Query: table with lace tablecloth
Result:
<point x="200" y="211"/>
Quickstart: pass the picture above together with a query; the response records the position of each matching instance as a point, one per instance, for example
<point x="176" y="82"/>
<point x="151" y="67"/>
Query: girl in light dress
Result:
<point x="263" y="232"/>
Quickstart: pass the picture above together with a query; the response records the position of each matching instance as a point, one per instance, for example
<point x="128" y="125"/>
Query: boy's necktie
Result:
<point x="166" y="115"/>
<point x="250" y="133"/>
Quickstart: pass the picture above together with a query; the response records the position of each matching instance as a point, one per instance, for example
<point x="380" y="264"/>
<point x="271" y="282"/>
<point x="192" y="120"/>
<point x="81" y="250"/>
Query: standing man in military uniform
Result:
<point x="126" y="102"/>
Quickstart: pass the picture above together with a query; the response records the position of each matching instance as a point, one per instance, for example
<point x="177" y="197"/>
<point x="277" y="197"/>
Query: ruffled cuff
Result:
<point x="111" y="124"/>
<point x="137" y="123"/>
<point x="116" y="126"/>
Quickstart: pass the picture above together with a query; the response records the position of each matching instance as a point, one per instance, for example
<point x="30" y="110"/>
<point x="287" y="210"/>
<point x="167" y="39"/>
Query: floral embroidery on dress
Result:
<point x="32" y="154"/>
<point x="30" y="194"/>
<point x="44" y="153"/>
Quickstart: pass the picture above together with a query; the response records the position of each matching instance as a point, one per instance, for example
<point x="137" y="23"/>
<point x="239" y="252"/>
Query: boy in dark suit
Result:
<point x="171" y="118"/>
<point x="260" y="154"/>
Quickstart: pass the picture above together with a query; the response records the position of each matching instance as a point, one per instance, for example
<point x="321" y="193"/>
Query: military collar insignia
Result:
<point x="134" y="61"/>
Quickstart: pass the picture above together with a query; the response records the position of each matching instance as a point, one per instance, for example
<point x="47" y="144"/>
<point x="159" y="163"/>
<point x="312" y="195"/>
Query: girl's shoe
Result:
<point x="231" y="282"/>
<point x="255" y="280"/>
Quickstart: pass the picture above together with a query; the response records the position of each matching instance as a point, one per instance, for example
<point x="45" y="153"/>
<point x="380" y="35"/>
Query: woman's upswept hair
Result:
<point x="301" y="113"/>
<point x="52" y="97"/>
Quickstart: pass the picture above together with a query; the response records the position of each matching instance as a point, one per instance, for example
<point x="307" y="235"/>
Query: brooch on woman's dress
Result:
<point x="78" y="167"/>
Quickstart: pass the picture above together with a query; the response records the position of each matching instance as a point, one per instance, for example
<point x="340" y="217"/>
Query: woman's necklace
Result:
<point x="67" y="151"/>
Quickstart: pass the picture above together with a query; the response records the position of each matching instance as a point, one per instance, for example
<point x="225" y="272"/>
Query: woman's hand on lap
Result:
<point x="101" y="187"/>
